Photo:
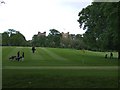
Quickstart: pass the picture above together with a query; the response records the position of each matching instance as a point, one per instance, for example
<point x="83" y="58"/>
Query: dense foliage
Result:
<point x="100" y="20"/>
<point x="13" y="38"/>
<point x="55" y="39"/>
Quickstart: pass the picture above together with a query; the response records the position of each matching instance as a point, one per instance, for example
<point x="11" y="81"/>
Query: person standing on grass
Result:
<point x="23" y="56"/>
<point x="33" y="49"/>
<point x="105" y="55"/>
<point x="18" y="55"/>
<point x="111" y="55"/>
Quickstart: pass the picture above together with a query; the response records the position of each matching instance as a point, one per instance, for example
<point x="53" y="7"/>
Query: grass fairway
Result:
<point x="59" y="68"/>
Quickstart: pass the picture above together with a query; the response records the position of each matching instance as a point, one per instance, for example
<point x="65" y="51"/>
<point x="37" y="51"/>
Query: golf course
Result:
<point x="58" y="68"/>
<point x="59" y="44"/>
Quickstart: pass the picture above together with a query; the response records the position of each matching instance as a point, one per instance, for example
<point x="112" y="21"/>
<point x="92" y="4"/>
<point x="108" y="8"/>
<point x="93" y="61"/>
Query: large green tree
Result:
<point x="54" y="38"/>
<point x="39" y="40"/>
<point x="14" y="38"/>
<point x="100" y="20"/>
<point x="5" y="39"/>
<point x="17" y="39"/>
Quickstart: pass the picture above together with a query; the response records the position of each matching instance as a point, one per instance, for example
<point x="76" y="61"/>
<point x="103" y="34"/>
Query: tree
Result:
<point x="17" y="39"/>
<point x="11" y="31"/>
<point x="39" y="40"/>
<point x="54" y="38"/>
<point x="34" y="40"/>
<point x="101" y="22"/>
<point x="14" y="38"/>
<point x="79" y="42"/>
<point x="5" y="39"/>
<point x="65" y="42"/>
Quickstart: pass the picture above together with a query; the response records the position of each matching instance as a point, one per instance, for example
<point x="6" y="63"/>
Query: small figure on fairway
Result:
<point x="18" y="55"/>
<point x="105" y="55"/>
<point x="23" y="56"/>
<point x="111" y="55"/>
<point x="33" y="49"/>
<point x="12" y="58"/>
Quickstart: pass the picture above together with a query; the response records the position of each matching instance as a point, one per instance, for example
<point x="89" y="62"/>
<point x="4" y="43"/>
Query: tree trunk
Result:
<point x="118" y="54"/>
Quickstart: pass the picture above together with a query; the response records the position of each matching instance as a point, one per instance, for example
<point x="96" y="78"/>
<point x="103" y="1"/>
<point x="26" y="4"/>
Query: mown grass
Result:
<point x="58" y="78"/>
<point x="58" y="57"/>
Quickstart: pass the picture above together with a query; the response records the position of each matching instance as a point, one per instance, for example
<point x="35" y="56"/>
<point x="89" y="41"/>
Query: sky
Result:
<point x="31" y="16"/>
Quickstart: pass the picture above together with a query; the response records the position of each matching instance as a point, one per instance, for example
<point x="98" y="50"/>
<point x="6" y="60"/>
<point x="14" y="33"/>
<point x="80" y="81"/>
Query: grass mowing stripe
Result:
<point x="54" y="55"/>
<point x="28" y="54"/>
<point x="42" y="58"/>
<point x="7" y="52"/>
<point x="59" y="78"/>
<point x="64" y="67"/>
<point x="11" y="52"/>
<point x="37" y="55"/>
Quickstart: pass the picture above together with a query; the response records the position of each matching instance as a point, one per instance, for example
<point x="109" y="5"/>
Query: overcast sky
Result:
<point x="31" y="16"/>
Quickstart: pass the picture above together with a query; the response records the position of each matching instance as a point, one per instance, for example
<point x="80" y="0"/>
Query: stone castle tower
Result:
<point x="41" y="34"/>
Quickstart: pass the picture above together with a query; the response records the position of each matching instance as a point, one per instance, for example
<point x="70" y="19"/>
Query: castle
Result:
<point x="64" y="35"/>
<point x="41" y="34"/>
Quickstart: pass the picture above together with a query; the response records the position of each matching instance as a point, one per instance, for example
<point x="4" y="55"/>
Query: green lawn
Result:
<point x="59" y="68"/>
<point x="57" y="57"/>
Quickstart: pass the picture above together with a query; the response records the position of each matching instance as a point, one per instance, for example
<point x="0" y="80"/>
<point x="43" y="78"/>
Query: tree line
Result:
<point x="57" y="39"/>
<point x="54" y="39"/>
<point x="13" y="38"/>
